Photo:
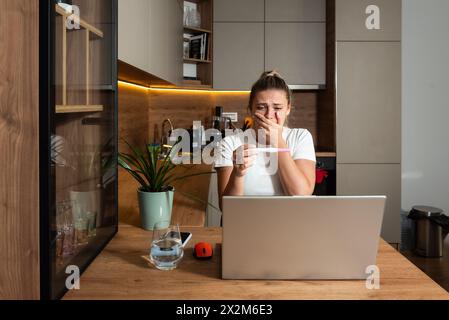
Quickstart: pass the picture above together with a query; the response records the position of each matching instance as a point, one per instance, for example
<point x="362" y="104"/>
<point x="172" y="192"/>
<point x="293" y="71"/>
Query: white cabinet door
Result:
<point x="369" y="102"/>
<point x="166" y="40"/>
<point x="239" y="10"/>
<point x="133" y="40"/>
<point x="295" y="10"/>
<point x="238" y="55"/>
<point x="375" y="179"/>
<point x="297" y="51"/>
<point x="151" y="36"/>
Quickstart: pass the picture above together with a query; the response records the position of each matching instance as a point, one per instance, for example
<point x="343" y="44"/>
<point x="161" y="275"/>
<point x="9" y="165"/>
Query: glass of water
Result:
<point x="166" y="246"/>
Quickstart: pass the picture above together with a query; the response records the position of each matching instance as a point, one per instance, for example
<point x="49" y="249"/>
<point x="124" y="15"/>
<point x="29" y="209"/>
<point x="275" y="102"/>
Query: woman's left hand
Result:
<point x="273" y="130"/>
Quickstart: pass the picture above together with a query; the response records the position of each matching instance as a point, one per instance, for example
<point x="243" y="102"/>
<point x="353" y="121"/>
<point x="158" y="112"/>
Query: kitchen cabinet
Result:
<point x="238" y="55"/>
<point x="295" y="10"/>
<point x="59" y="186"/>
<point x="375" y="179"/>
<point x="134" y="43"/>
<point x="78" y="171"/>
<point x="352" y="26"/>
<point x="150" y="37"/>
<point x="19" y="140"/>
<point x="293" y="38"/>
<point x="298" y="51"/>
<point x="369" y="102"/>
<point x="239" y="10"/>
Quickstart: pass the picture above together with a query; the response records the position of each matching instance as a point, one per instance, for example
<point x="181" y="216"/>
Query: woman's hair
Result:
<point x="269" y="80"/>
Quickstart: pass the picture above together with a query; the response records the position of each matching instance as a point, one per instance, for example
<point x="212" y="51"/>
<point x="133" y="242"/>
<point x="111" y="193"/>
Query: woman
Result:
<point x="243" y="170"/>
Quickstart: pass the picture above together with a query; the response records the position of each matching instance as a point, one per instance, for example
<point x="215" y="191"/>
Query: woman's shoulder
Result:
<point x="300" y="141"/>
<point x="297" y="134"/>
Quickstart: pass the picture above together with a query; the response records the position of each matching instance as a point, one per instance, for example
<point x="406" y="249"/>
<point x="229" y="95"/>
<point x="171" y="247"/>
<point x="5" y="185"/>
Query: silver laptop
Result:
<point x="300" y="237"/>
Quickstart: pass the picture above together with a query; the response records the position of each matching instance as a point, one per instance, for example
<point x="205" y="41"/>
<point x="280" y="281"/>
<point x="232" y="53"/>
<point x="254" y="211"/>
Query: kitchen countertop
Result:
<point x="121" y="271"/>
<point x="326" y="155"/>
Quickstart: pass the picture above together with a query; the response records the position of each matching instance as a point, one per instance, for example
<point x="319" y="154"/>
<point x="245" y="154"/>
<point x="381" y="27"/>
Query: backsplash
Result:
<point x="184" y="107"/>
<point x="141" y="111"/>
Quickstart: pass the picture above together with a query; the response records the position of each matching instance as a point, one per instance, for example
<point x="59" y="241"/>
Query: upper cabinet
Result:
<point x="150" y="37"/>
<point x="368" y="20"/>
<point x="295" y="10"/>
<point x="298" y="51"/>
<point x="134" y="43"/>
<point x="238" y="55"/>
<point x="253" y="36"/>
<point x="369" y="102"/>
<point x="239" y="10"/>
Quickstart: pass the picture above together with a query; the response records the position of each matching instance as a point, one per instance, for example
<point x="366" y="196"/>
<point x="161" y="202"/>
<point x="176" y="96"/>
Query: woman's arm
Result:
<point x="230" y="179"/>
<point x="228" y="183"/>
<point x="297" y="176"/>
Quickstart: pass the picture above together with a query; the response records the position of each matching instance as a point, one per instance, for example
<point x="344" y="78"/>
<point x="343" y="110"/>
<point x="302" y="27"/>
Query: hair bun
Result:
<point x="272" y="73"/>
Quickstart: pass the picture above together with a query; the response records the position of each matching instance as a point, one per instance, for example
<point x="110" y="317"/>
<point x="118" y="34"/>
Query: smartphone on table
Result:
<point x="185" y="237"/>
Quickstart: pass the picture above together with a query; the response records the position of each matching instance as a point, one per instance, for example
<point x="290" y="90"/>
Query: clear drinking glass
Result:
<point x="166" y="246"/>
<point x="91" y="223"/>
<point x="65" y="241"/>
<point x="81" y="230"/>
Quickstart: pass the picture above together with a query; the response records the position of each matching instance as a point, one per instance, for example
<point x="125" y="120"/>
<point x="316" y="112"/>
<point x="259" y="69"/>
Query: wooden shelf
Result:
<point x="203" y="67"/>
<point x="78" y="108"/>
<point x="191" y="60"/>
<point x="95" y="31"/>
<point x="196" y="30"/>
<point x="81" y="43"/>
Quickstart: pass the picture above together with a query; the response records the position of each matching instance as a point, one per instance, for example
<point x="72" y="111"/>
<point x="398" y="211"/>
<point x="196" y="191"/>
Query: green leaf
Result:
<point x="147" y="166"/>
<point x="136" y="176"/>
<point x="131" y="160"/>
<point x="140" y="159"/>
<point x="151" y="151"/>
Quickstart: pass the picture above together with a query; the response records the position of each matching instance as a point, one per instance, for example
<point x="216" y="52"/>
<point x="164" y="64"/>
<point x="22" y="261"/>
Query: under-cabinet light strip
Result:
<point x="179" y="90"/>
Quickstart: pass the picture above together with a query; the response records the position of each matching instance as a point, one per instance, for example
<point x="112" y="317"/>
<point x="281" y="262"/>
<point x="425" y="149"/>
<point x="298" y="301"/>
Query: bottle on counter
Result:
<point x="217" y="118"/>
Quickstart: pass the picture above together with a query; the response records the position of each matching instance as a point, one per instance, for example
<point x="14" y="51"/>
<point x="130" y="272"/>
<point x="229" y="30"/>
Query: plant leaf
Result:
<point x="140" y="159"/>
<point x="135" y="175"/>
<point x="129" y="159"/>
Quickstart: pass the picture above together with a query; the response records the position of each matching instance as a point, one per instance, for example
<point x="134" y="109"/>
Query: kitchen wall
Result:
<point x="142" y="111"/>
<point x="425" y="108"/>
<point x="184" y="107"/>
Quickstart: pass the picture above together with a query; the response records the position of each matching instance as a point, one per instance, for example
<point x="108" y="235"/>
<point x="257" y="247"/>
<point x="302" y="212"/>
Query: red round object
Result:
<point x="203" y="250"/>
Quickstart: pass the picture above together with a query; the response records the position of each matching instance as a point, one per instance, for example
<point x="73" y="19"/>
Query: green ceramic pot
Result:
<point x="155" y="207"/>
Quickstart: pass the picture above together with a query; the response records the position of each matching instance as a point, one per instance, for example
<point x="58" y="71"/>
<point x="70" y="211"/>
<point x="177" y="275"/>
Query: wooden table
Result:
<point x="435" y="268"/>
<point x="120" y="272"/>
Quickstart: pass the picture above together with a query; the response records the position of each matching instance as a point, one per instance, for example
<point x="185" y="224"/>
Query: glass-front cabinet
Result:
<point x="79" y="173"/>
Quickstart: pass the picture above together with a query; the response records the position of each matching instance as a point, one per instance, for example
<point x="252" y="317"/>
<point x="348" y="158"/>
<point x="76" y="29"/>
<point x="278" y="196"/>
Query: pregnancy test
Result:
<point x="272" y="150"/>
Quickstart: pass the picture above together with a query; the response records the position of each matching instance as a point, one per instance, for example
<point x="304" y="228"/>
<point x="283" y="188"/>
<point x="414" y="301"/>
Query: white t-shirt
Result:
<point x="262" y="178"/>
